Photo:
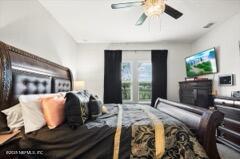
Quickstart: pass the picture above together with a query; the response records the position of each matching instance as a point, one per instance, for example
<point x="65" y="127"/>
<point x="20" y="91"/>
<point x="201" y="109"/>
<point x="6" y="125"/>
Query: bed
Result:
<point x="25" y="73"/>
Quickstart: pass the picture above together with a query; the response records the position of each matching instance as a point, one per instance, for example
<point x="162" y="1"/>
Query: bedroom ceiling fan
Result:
<point x="151" y="8"/>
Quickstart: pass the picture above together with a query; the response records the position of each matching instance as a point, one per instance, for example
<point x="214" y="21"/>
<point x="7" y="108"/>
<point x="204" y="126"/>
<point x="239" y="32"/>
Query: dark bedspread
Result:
<point x="95" y="139"/>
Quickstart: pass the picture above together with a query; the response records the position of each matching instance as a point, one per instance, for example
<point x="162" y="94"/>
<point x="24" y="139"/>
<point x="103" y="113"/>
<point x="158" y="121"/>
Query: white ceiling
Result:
<point x="90" y="21"/>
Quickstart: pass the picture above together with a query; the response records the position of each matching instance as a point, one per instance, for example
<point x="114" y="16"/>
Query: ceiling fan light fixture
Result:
<point x="154" y="7"/>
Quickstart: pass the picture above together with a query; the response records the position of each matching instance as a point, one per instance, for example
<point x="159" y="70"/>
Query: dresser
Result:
<point x="229" y="132"/>
<point x="196" y="92"/>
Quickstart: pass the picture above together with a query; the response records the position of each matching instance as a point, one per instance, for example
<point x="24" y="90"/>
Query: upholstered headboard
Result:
<point x="25" y="73"/>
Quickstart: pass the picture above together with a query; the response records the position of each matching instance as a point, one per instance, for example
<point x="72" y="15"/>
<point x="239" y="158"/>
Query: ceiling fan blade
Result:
<point x="141" y="19"/>
<point x="172" y="12"/>
<point x="127" y="4"/>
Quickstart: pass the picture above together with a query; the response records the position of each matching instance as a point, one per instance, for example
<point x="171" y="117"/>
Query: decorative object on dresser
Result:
<point x="235" y="94"/>
<point x="196" y="92"/>
<point x="229" y="131"/>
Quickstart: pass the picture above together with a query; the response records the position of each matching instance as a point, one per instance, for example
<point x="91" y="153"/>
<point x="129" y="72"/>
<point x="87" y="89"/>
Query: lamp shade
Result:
<point x="79" y="85"/>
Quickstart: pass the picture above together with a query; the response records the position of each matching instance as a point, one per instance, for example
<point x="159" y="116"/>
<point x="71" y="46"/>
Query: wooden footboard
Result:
<point x="202" y="122"/>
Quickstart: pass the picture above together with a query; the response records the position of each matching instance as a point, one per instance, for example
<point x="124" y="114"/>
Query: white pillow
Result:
<point x="14" y="117"/>
<point x="31" y="110"/>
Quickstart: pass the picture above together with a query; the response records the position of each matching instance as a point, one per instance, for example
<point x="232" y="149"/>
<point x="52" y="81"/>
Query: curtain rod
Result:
<point x="136" y="50"/>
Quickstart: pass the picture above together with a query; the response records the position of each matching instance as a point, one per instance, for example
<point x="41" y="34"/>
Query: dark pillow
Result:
<point x="94" y="107"/>
<point x="76" y="108"/>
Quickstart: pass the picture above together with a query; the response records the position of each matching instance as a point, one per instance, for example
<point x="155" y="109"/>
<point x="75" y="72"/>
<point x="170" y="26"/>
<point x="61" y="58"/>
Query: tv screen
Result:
<point x="201" y="63"/>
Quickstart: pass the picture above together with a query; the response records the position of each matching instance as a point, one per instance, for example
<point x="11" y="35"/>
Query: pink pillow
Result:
<point x="53" y="110"/>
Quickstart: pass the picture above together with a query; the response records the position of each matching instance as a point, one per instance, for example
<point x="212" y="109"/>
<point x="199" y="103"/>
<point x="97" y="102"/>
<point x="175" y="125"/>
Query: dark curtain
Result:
<point x="159" y="74"/>
<point x="112" y="76"/>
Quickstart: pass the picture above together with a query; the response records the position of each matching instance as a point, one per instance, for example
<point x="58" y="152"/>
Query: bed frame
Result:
<point x="25" y="73"/>
<point x="202" y="122"/>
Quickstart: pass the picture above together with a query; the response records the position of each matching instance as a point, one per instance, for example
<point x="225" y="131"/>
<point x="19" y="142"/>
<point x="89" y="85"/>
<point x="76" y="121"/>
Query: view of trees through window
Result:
<point x="144" y="81"/>
<point x="143" y="71"/>
<point x="126" y="81"/>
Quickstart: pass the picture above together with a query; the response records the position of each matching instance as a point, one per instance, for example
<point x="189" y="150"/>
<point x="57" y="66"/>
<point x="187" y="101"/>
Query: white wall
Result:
<point x="90" y="63"/>
<point x="226" y="39"/>
<point x="28" y="26"/>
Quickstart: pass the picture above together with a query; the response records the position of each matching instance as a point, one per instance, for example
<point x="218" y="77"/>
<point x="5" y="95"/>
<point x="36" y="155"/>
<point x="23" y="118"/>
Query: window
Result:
<point x="136" y="81"/>
<point x="144" y="81"/>
<point x="126" y="81"/>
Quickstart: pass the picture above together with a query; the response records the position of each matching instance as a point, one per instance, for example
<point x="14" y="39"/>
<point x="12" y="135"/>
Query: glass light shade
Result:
<point x="154" y="7"/>
<point x="79" y="85"/>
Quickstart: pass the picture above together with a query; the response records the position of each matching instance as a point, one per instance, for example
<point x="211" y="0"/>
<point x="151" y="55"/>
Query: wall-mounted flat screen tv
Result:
<point x="201" y="63"/>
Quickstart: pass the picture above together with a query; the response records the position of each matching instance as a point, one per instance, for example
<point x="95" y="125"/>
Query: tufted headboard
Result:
<point x="25" y="73"/>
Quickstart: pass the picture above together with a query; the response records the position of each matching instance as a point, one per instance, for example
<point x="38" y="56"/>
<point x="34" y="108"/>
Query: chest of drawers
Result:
<point x="229" y="131"/>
